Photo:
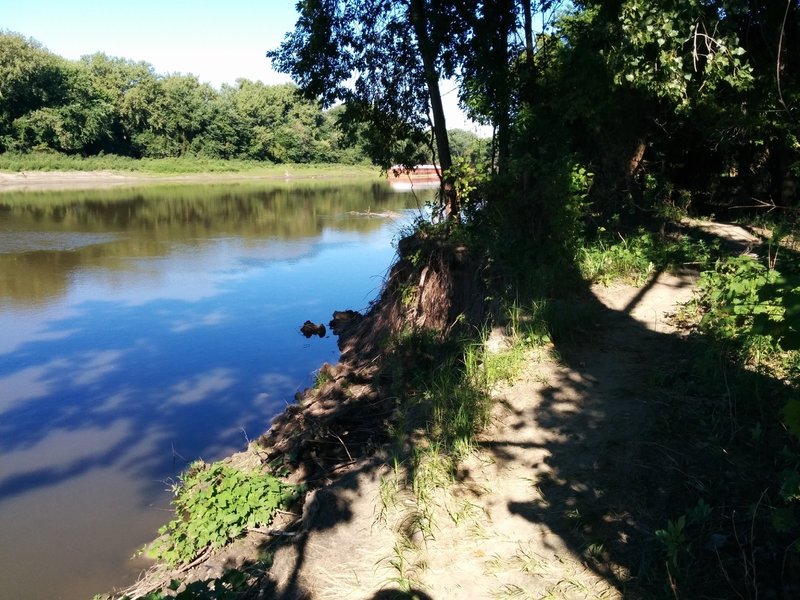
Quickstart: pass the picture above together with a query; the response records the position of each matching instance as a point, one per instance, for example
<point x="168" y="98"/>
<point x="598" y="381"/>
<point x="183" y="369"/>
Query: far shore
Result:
<point x="22" y="181"/>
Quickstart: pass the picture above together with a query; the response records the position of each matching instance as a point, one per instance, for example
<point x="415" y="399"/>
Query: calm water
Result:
<point x="142" y="329"/>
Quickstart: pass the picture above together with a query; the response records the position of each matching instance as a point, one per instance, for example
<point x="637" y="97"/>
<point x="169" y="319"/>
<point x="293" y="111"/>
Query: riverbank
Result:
<point x="585" y="465"/>
<point x="80" y="180"/>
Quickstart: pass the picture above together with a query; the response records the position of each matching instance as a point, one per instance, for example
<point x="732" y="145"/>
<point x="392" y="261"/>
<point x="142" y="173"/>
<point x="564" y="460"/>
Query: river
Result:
<point x="141" y="329"/>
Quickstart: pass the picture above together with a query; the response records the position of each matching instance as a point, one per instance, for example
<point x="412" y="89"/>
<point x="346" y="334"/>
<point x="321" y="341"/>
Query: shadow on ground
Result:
<point x="652" y="463"/>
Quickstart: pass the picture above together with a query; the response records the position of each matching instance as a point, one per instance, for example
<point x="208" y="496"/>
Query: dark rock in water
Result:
<point x="309" y="329"/>
<point x="342" y="319"/>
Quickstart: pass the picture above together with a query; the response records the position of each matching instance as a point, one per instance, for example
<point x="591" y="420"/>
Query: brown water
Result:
<point x="142" y="329"/>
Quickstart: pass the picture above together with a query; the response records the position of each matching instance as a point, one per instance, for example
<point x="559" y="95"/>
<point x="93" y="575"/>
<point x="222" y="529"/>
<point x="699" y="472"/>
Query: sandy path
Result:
<point x="513" y="524"/>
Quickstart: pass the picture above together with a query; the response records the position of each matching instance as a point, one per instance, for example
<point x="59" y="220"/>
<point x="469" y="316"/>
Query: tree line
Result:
<point x="108" y="105"/>
<point x="670" y="101"/>
<point x="102" y="104"/>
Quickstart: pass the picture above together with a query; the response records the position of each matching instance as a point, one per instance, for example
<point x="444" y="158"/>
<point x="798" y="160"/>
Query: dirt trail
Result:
<point x="497" y="530"/>
<point x="550" y="505"/>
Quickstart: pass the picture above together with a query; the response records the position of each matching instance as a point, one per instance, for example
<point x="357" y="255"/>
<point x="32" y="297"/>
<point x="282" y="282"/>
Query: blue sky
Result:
<point x="219" y="41"/>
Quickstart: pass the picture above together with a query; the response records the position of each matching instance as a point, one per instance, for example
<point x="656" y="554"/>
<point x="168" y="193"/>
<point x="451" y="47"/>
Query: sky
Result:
<point x="218" y="41"/>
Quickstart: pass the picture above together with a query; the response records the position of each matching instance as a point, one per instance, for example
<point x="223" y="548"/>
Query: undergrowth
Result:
<point x="632" y="258"/>
<point x="215" y="504"/>
<point x="740" y="529"/>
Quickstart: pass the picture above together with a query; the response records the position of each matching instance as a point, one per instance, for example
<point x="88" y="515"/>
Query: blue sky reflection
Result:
<point x="125" y="359"/>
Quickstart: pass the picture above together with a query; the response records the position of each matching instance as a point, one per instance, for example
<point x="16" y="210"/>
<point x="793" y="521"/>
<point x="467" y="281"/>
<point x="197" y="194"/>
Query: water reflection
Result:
<point x="142" y="331"/>
<point x="47" y="236"/>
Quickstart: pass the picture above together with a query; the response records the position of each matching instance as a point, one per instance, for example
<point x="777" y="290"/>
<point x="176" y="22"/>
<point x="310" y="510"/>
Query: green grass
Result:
<point x="633" y="258"/>
<point x="172" y="166"/>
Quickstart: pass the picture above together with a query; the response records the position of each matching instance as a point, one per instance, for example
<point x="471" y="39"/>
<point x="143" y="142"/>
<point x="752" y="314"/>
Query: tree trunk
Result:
<point x="528" y="24"/>
<point x="419" y="20"/>
<point x="505" y="10"/>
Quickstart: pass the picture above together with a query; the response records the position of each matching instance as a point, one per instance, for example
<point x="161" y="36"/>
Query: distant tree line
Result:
<point x="102" y="104"/>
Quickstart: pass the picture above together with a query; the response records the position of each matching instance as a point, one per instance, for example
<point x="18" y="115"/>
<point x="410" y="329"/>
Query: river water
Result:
<point x="141" y="329"/>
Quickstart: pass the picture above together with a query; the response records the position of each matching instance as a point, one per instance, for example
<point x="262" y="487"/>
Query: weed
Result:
<point x="322" y="376"/>
<point x="510" y="591"/>
<point x="405" y="566"/>
<point x="673" y="537"/>
<point x="634" y="258"/>
<point x="467" y="511"/>
<point x="215" y="504"/>
<point x="408" y="294"/>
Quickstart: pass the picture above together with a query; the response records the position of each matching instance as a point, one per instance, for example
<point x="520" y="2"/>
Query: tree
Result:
<point x="31" y="78"/>
<point x="79" y="122"/>
<point x="115" y="78"/>
<point x="48" y="102"/>
<point x="384" y="60"/>
<point x="167" y="115"/>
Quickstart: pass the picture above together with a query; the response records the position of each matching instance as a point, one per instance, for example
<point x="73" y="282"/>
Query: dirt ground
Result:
<point x="554" y="504"/>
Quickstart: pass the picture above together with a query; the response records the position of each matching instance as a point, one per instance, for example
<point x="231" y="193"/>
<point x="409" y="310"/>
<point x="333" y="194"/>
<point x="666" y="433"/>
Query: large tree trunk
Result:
<point x="419" y="20"/>
<point x="528" y="24"/>
<point x="506" y="17"/>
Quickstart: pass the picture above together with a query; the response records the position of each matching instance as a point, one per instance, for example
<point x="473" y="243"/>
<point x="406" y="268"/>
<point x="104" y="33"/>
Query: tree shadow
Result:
<point x="660" y="471"/>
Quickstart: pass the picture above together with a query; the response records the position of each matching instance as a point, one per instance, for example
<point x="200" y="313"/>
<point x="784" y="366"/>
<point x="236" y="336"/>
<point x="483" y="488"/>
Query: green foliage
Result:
<point x="632" y="259"/>
<point x="674" y="538"/>
<point x="216" y="504"/>
<point x="678" y="51"/>
<point x="752" y="305"/>
<point x="687" y="534"/>
<point x="469" y="181"/>
<point x="335" y="42"/>
<point x="627" y="259"/>
<point x="104" y="104"/>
